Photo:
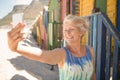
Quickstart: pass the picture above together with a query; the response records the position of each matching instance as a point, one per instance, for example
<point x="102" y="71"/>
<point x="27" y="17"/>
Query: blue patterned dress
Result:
<point x="77" y="68"/>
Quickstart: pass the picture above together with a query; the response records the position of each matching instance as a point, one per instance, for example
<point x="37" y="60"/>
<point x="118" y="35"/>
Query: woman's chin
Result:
<point x="70" y="41"/>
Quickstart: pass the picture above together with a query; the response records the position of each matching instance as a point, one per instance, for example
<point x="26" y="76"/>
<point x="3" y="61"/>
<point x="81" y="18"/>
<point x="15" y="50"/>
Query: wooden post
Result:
<point x="115" y="61"/>
<point x="101" y="50"/>
<point x="108" y="56"/>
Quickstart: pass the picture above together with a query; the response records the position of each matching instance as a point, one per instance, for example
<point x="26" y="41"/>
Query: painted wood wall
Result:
<point x="112" y="10"/>
<point x="86" y="7"/>
<point x="101" y="4"/>
<point x="118" y="15"/>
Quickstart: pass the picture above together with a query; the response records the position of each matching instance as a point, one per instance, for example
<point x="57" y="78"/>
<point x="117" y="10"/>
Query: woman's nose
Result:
<point x="67" y="31"/>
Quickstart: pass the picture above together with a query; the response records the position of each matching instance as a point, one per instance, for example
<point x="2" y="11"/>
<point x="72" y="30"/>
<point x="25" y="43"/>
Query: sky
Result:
<point x="6" y="6"/>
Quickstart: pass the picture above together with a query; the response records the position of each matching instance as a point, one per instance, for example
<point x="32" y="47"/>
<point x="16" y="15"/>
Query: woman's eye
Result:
<point x="71" y="29"/>
<point x="64" y="30"/>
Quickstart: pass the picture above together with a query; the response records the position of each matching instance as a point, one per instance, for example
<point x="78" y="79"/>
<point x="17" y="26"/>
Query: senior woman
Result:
<point x="75" y="61"/>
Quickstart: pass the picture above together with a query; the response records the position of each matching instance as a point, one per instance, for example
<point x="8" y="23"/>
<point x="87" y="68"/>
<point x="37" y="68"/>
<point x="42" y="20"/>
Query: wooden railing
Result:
<point x="105" y="39"/>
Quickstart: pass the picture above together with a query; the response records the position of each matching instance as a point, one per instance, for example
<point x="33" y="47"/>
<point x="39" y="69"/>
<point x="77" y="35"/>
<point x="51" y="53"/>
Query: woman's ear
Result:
<point x="82" y="33"/>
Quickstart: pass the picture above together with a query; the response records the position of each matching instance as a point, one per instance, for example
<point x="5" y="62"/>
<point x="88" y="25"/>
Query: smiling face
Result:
<point x="74" y="28"/>
<point x="71" y="33"/>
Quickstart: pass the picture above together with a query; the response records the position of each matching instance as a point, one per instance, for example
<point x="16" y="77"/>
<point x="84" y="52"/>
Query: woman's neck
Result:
<point x="77" y="50"/>
<point x="75" y="46"/>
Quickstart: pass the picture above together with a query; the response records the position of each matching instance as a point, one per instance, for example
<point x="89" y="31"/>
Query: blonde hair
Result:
<point x="79" y="22"/>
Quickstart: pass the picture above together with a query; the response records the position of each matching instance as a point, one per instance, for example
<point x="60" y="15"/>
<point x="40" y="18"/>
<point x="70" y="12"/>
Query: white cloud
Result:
<point x="18" y="2"/>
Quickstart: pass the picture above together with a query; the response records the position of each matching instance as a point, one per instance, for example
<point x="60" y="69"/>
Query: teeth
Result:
<point x="70" y="38"/>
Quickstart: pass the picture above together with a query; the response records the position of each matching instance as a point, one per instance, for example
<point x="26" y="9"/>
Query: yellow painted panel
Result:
<point x="112" y="10"/>
<point x="38" y="35"/>
<point x="85" y="38"/>
<point x="86" y="7"/>
<point x="112" y="14"/>
<point x="77" y="0"/>
<point x="77" y="5"/>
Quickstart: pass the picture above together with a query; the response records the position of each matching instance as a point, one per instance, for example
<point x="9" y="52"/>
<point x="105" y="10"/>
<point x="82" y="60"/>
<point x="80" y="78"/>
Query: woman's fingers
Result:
<point x="13" y="41"/>
<point x="14" y="36"/>
<point x="19" y="26"/>
<point x="16" y="32"/>
<point x="17" y="29"/>
<point x="20" y="35"/>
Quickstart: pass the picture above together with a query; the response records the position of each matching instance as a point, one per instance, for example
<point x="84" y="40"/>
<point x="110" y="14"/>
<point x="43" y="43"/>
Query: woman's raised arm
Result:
<point x="47" y="56"/>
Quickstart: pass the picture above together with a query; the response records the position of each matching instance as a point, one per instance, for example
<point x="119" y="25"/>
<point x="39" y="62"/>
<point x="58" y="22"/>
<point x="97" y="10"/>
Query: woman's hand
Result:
<point x="14" y="36"/>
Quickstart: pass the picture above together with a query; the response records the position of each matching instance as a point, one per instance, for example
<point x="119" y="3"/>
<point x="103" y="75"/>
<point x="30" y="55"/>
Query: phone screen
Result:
<point x="17" y="18"/>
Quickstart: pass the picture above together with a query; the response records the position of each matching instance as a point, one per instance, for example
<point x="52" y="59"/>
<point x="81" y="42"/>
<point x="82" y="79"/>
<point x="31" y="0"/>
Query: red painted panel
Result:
<point x="64" y="9"/>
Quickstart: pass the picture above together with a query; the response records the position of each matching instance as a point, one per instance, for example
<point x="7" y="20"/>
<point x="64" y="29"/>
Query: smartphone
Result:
<point x="17" y="18"/>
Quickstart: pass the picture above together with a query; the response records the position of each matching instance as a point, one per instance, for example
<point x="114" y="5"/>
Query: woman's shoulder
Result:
<point x="58" y="50"/>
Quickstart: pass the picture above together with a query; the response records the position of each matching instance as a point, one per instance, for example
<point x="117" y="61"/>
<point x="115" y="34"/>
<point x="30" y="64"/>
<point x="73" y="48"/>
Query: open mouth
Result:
<point x="70" y="37"/>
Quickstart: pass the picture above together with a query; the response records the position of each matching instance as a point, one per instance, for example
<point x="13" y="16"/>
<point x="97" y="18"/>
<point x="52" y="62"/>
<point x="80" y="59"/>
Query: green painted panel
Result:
<point x="54" y="9"/>
<point x="54" y="36"/>
<point x="101" y="4"/>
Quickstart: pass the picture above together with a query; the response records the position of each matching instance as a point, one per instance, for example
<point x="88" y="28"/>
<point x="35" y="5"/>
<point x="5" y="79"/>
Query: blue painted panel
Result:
<point x="118" y="18"/>
<point x="46" y="19"/>
<point x="101" y="53"/>
<point x="91" y="31"/>
<point x="95" y="26"/>
<point x="108" y="56"/>
<point x="95" y="32"/>
<point x="115" y="62"/>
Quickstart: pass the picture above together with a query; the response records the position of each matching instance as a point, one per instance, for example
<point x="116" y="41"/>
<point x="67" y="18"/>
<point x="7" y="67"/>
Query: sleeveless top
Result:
<point x="77" y="68"/>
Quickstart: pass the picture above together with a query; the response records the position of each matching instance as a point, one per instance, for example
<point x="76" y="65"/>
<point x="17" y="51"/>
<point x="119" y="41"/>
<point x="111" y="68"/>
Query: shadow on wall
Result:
<point x="34" y="68"/>
<point x="18" y="77"/>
